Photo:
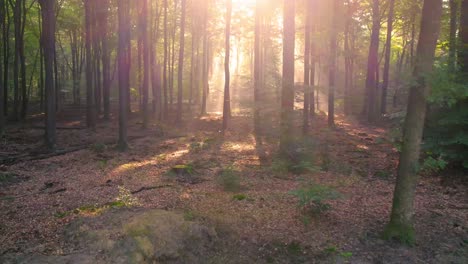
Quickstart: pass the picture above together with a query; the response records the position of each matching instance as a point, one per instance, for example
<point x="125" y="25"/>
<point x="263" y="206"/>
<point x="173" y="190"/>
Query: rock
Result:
<point x="136" y="236"/>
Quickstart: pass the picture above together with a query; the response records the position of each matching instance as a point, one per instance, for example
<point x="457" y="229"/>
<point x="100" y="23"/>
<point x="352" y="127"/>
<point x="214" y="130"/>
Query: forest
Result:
<point x="234" y="131"/>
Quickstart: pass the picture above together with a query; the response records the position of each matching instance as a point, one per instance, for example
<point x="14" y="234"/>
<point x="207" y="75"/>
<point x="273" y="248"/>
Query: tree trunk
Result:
<point x="332" y="66"/>
<point x="257" y="68"/>
<point x="48" y="38"/>
<point x="146" y="62"/>
<point x="166" y="57"/>
<point x="372" y="67"/>
<point x="307" y="84"/>
<point x="227" y="73"/>
<point x="401" y="221"/>
<point x="453" y="34"/>
<point x="2" y="84"/>
<point x="463" y="50"/>
<point x="180" y="80"/>
<point x="106" y="80"/>
<point x="388" y="53"/>
<point x="287" y="92"/>
<point x="124" y="69"/>
<point x="90" y="103"/>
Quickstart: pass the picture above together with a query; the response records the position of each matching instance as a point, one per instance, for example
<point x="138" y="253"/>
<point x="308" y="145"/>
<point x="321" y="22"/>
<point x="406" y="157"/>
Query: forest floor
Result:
<point x="258" y="222"/>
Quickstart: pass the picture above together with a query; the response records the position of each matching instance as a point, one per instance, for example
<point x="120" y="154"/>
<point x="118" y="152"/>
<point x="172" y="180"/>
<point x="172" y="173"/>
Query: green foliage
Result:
<point x="239" y="197"/>
<point x="446" y="133"/>
<point x="313" y="198"/>
<point x="297" y="158"/>
<point x="433" y="165"/>
<point x="229" y="179"/>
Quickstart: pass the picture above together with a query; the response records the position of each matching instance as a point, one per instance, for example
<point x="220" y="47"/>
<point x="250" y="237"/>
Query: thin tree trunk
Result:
<point x="146" y="63"/>
<point x="90" y="103"/>
<point x="257" y="69"/>
<point x="388" y="53"/>
<point x="166" y="57"/>
<point x="124" y="69"/>
<point x="401" y="220"/>
<point x="287" y="94"/>
<point x="180" y="80"/>
<point x="307" y="84"/>
<point x="227" y="72"/>
<point x="332" y="66"/>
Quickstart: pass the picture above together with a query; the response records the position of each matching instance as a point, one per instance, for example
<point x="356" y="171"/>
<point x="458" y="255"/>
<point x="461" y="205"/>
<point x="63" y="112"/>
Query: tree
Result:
<point x="307" y="72"/>
<point x="48" y="38"/>
<point x="332" y="66"/>
<point x="257" y="68"/>
<point x="166" y="62"/>
<point x="463" y="50"/>
<point x="388" y="51"/>
<point x="146" y="62"/>
<point x="124" y="69"/>
<point x="287" y="91"/>
<point x="401" y="220"/>
<point x="372" y="66"/>
<point x="2" y="84"/>
<point x="180" y="80"/>
<point x="227" y="74"/>
<point x="106" y="78"/>
<point x="453" y="33"/>
<point x="90" y="98"/>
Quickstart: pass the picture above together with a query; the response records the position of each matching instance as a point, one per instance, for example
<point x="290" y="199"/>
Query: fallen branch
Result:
<point x="147" y="188"/>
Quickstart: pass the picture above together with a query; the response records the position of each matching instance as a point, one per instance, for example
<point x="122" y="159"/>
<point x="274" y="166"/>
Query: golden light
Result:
<point x="243" y="2"/>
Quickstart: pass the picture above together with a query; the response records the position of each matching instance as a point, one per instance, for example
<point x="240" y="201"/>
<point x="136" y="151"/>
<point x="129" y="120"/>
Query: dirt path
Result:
<point x="263" y="224"/>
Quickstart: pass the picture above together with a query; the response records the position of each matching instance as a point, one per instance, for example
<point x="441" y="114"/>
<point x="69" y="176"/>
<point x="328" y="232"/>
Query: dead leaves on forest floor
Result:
<point x="262" y="216"/>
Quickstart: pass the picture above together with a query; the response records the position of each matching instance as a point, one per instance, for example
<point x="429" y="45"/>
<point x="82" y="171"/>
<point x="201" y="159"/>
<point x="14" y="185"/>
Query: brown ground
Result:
<point x="40" y="198"/>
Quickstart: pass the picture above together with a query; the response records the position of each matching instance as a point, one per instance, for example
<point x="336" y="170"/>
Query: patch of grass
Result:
<point x="294" y="248"/>
<point x="297" y="158"/>
<point x="312" y="199"/>
<point x="229" y="179"/>
<point x="239" y="197"/>
<point x="189" y="215"/>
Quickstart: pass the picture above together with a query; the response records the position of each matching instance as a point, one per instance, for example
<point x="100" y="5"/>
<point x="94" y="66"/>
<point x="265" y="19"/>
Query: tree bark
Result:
<point x="287" y="91"/>
<point x="180" y="73"/>
<point x="146" y="62"/>
<point x="463" y="49"/>
<point x="166" y="57"/>
<point x="401" y="221"/>
<point x="227" y="72"/>
<point x="332" y="66"/>
<point x="307" y="84"/>
<point x="370" y="110"/>
<point x="106" y="79"/>
<point x="124" y="69"/>
<point x="48" y="38"/>
<point x="388" y="53"/>
<point x="90" y="102"/>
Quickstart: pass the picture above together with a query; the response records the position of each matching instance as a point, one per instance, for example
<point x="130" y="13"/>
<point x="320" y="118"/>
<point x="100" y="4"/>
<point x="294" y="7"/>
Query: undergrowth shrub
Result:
<point x="297" y="158"/>
<point x="312" y="199"/>
<point x="229" y="179"/>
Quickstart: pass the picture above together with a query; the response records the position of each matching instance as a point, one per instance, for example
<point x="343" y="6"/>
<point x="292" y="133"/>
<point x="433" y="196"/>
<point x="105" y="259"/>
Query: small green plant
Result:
<point x="313" y="198"/>
<point x="431" y="165"/>
<point x="239" y="197"/>
<point x="6" y="177"/>
<point x="125" y="198"/>
<point x="229" y="179"/>
<point x="294" y="248"/>
<point x="383" y="174"/>
<point x="189" y="215"/>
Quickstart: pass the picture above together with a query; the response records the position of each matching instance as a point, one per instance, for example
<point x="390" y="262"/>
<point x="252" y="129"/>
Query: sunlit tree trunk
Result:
<point x="123" y="69"/>
<point x="180" y="80"/>
<point x="227" y="73"/>
<point x="205" y="67"/>
<point x="257" y="68"/>
<point x="388" y="53"/>
<point x="307" y="84"/>
<point x="332" y="66"/>
<point x="287" y="94"/>
<point x="401" y="221"/>
<point x="48" y="38"/>
<point x="166" y="56"/>
<point x="146" y="62"/>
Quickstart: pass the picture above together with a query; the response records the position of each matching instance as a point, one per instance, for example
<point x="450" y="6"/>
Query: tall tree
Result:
<point x="2" y="86"/>
<point x="332" y="65"/>
<point x="48" y="38"/>
<point x="307" y="72"/>
<point x="90" y="98"/>
<point x="388" y="53"/>
<point x="372" y="66"/>
<point x="287" y="91"/>
<point x="105" y="53"/>
<point x="166" y="62"/>
<point x="180" y="80"/>
<point x="401" y="220"/>
<point x="124" y="69"/>
<point x="454" y="4"/>
<point x="146" y="62"/>
<point x="463" y="50"/>
<point x="227" y="73"/>
<point x="257" y="67"/>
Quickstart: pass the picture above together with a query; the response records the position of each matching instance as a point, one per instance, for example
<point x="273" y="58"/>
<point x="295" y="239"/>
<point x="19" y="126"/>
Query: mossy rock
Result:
<point x="142" y="236"/>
